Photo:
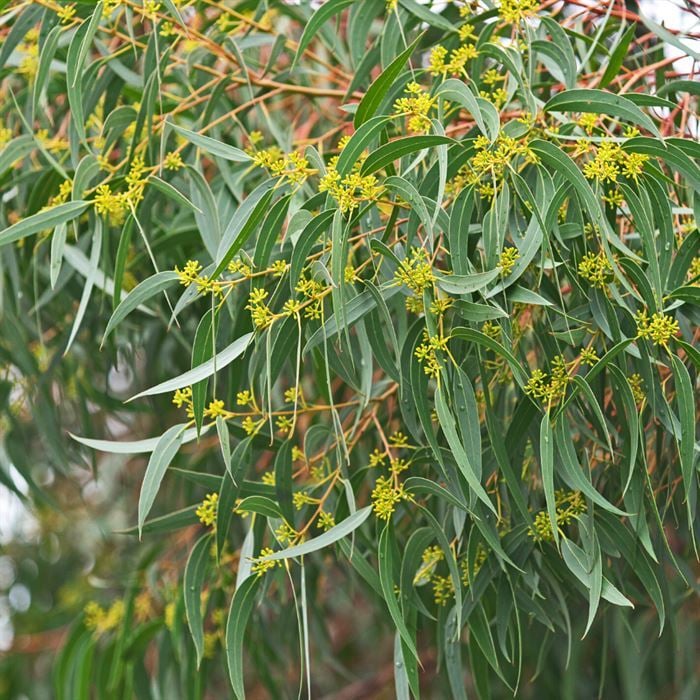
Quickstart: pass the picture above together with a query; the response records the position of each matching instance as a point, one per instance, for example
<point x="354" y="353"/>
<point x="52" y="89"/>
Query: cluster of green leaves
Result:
<point x="422" y="284"/>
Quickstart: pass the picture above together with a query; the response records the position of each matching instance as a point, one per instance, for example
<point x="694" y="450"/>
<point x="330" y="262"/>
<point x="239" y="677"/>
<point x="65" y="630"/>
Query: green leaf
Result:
<point x="325" y="12"/>
<point x="547" y="465"/>
<point x="46" y="54"/>
<point x="206" y="369"/>
<point x="466" y="284"/>
<point x="195" y="573"/>
<point x="213" y="146"/>
<point x="337" y="532"/>
<point x="447" y="424"/>
<point x="372" y="99"/>
<point x="172" y="193"/>
<point x="244" y="222"/>
<point x="239" y="612"/>
<point x="355" y="309"/>
<point x="618" y="56"/>
<point x="47" y="219"/>
<point x="574" y="558"/>
<point x="484" y="113"/>
<point x="89" y="284"/>
<point x="491" y="344"/>
<point x="399" y="148"/>
<point x="130" y="447"/>
<point x="138" y="295"/>
<point x="58" y="244"/>
<point x="283" y="481"/>
<point x="166" y="448"/>
<point x="685" y="401"/>
<point x="600" y="102"/>
<point x="358" y="142"/>
<point x="260" y="504"/>
<point x="166" y="523"/>
<point x="386" y="577"/>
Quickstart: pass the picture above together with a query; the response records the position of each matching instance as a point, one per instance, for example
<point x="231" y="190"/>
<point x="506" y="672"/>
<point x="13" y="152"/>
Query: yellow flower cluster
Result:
<point x="183" y="397"/>
<point x="430" y="558"/>
<point x="150" y="9"/>
<point x="211" y="640"/>
<point x="427" y="351"/>
<point x="491" y="161"/>
<point x="143" y="606"/>
<point x="440" y="305"/>
<point x="416" y="272"/>
<point x="386" y="495"/>
<point x="291" y="166"/>
<point x="588" y="121"/>
<point x="260" y="312"/>
<point x="244" y="398"/>
<point x="64" y="192"/>
<point x="206" y="512"/>
<point x="377" y="458"/>
<point x="466" y="31"/>
<point x="637" y="385"/>
<point x="610" y="160"/>
<point x="569" y="504"/>
<point x="173" y="161"/>
<point x="101" y="620"/>
<point x="694" y="269"/>
<point x="113" y="205"/>
<point x="416" y="107"/>
<point x="596" y="269"/>
<point x="549" y="389"/>
<point x="443" y="589"/>
<point x="614" y="198"/>
<point x="313" y="292"/>
<point x="189" y="273"/>
<point x="351" y="189"/>
<point x="588" y="356"/>
<point x="285" y="534"/>
<point x="479" y="559"/>
<point x="325" y="521"/>
<point x="65" y="13"/>
<point x="660" y="328"/>
<point x="109" y="204"/>
<point x="29" y="51"/>
<point x="261" y="567"/>
<point x="238" y="266"/>
<point x="301" y="499"/>
<point x="396" y="465"/>
<point x="251" y="426"/>
<point x="514" y="11"/>
<point x="507" y="260"/>
<point x="498" y="96"/>
<point x="214" y="409"/>
<point x="398" y="439"/>
<point x="284" y="424"/>
<point x="443" y="62"/>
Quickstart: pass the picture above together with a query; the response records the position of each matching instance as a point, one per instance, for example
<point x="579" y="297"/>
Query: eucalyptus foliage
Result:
<point x="385" y="311"/>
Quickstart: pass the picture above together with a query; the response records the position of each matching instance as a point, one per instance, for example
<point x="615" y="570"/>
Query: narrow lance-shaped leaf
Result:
<point x="166" y="448"/>
<point x="239" y="613"/>
<point x="138" y="295"/>
<point x="195" y="573"/>
<point x="210" y="145"/>
<point x="54" y="216"/>
<point x="206" y="369"/>
<point x="337" y="532"/>
<point x="547" y="465"/>
<point x="372" y="100"/>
